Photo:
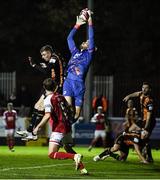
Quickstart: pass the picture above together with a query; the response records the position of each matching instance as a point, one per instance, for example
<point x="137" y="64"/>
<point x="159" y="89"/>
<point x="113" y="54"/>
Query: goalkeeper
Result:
<point x="78" y="65"/>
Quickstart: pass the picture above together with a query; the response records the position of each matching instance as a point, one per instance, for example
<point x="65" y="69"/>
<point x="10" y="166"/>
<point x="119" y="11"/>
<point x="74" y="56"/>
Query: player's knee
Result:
<point x="115" y="148"/>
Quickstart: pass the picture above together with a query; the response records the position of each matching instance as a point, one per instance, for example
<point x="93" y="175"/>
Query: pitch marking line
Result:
<point x="34" y="167"/>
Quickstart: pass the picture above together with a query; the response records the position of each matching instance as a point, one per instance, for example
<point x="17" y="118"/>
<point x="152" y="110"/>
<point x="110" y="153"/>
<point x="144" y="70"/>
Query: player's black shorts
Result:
<point x="123" y="147"/>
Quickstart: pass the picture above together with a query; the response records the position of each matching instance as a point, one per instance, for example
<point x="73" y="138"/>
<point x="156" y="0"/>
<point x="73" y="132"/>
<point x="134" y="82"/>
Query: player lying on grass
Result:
<point x="123" y="140"/>
<point x="148" y="120"/>
<point x="122" y="143"/>
<point x="58" y="110"/>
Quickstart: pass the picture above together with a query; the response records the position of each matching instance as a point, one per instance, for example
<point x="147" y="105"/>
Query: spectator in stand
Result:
<point x="99" y="101"/>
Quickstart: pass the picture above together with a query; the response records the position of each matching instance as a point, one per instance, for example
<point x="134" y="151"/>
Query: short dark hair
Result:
<point x="46" y="48"/>
<point x="148" y="84"/>
<point x="49" y="84"/>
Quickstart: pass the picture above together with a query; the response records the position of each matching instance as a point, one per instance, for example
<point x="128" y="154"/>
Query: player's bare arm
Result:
<point x="90" y="17"/>
<point x="42" y="123"/>
<point x="137" y="149"/>
<point x="148" y="121"/>
<point x="133" y="95"/>
<point x="31" y="62"/>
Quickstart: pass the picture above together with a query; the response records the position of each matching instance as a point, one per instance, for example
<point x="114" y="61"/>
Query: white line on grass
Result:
<point x="33" y="167"/>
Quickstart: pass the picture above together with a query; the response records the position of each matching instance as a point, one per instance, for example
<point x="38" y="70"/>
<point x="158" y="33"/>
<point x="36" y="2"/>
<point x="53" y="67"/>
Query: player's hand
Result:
<point x="32" y="63"/>
<point x="89" y="12"/>
<point x="35" y="131"/>
<point x="43" y="65"/>
<point x="126" y="98"/>
<point x="90" y="15"/>
<point x="80" y="21"/>
<point x="144" y="134"/>
<point x="145" y="162"/>
<point x="102" y="120"/>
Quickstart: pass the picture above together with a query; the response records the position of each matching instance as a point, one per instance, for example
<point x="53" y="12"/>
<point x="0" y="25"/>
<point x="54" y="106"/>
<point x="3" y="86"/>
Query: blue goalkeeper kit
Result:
<point x="77" y="68"/>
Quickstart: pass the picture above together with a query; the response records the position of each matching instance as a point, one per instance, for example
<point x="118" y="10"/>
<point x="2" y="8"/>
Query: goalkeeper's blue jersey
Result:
<point x="80" y="60"/>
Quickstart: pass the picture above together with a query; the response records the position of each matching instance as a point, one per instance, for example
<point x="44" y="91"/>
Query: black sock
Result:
<point x="104" y="153"/>
<point x="149" y="153"/>
<point x="36" y="118"/>
<point x="68" y="148"/>
<point x="114" y="155"/>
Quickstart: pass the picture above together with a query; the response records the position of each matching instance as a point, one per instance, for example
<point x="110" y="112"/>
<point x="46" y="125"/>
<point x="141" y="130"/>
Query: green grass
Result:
<point x="33" y="163"/>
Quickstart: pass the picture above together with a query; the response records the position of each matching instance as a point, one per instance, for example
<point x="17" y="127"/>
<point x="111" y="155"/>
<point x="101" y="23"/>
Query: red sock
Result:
<point x="81" y="165"/>
<point x="11" y="143"/>
<point x="61" y="155"/>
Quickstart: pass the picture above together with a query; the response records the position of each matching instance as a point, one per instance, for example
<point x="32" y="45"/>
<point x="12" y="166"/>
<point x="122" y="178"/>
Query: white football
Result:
<point x="84" y="14"/>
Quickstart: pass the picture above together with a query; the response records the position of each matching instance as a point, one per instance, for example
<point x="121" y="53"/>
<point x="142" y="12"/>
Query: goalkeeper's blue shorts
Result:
<point x="74" y="89"/>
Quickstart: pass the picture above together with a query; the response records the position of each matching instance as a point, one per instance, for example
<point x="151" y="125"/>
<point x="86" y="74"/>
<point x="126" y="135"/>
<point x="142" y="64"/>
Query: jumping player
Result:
<point x="78" y="65"/>
<point x="58" y="110"/>
<point x="9" y="121"/>
<point x="99" y="120"/>
<point x="148" y="121"/>
<point x="52" y="68"/>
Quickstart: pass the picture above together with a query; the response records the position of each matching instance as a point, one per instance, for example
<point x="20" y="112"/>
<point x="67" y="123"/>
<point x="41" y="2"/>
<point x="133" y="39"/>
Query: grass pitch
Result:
<point x="33" y="163"/>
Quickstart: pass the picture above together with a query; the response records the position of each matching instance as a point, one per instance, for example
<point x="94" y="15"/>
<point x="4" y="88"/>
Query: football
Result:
<point x="84" y="14"/>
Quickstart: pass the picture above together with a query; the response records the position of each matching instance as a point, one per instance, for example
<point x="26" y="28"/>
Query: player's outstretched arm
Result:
<point x="42" y="67"/>
<point x="148" y="120"/>
<point x="70" y="40"/>
<point x="42" y="123"/>
<point x="133" y="95"/>
<point x="31" y="61"/>
<point x="90" y="33"/>
<point x="137" y="149"/>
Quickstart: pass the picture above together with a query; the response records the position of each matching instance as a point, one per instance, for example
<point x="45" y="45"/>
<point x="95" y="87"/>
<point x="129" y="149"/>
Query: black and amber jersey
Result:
<point x="53" y="69"/>
<point x="147" y="105"/>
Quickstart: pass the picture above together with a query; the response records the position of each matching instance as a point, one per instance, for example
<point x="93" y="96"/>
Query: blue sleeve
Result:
<point x="91" y="38"/>
<point x="70" y="40"/>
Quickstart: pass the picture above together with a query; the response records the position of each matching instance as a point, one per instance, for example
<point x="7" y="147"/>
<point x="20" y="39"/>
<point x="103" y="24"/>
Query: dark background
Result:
<point x="127" y="34"/>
